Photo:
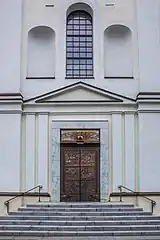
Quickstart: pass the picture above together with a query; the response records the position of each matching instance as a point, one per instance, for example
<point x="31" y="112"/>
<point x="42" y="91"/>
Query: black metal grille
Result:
<point x="79" y="45"/>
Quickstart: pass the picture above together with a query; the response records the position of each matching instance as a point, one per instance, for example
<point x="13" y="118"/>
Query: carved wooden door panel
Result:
<point x="80" y="173"/>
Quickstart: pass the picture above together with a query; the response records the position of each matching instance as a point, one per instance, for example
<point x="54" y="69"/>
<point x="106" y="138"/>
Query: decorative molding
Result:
<point x="146" y="97"/>
<point x="12" y="98"/>
<point x="113" y="96"/>
<point x="10" y="111"/>
<point x="118" y="77"/>
<point x="36" y="78"/>
<point x="11" y="95"/>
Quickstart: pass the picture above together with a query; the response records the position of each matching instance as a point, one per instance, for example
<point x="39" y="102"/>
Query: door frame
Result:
<point x="105" y="153"/>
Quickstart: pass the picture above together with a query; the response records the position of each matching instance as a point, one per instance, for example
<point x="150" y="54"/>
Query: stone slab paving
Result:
<point x="81" y="238"/>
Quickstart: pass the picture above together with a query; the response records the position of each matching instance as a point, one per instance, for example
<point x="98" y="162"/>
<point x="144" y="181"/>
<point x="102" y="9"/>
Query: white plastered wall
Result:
<point x="148" y="22"/>
<point x="10" y="45"/>
<point x="10" y="135"/>
<point x="149" y="151"/>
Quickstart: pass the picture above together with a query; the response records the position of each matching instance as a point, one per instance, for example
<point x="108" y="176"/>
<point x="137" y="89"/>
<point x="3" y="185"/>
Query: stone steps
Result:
<point x="87" y="213"/>
<point x="40" y="209"/>
<point x="81" y="233"/>
<point x="81" y="205"/>
<point x="79" y="223"/>
<point x="93" y="228"/>
<point x="75" y="220"/>
<point x="80" y="218"/>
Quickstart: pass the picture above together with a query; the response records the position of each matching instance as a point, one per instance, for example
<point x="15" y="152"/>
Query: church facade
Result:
<point x="80" y="97"/>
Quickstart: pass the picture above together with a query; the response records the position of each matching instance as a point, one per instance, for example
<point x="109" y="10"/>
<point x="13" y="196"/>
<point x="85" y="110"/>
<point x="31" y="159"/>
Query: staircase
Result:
<point x="80" y="220"/>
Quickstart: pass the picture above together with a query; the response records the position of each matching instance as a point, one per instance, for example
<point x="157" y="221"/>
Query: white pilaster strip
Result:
<point x="30" y="151"/>
<point x="43" y="151"/>
<point x="129" y="151"/>
<point x="117" y="150"/>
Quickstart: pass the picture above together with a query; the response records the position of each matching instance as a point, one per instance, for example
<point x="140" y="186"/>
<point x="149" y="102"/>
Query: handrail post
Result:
<point x="7" y="205"/>
<point x="120" y="190"/>
<point x="153" y="204"/>
<point x="39" y="190"/>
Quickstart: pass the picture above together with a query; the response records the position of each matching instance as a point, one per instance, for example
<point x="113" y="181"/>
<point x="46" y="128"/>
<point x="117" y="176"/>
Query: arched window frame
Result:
<point x="79" y="45"/>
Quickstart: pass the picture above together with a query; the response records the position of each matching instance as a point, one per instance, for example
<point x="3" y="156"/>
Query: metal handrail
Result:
<point x="23" y="194"/>
<point x="120" y="187"/>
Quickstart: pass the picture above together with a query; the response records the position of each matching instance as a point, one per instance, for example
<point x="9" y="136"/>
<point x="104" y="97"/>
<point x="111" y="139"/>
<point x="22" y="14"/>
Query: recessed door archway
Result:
<point x="80" y="165"/>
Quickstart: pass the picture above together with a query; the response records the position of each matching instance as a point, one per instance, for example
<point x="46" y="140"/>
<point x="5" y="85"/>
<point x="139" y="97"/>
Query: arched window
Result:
<point x="79" y="45"/>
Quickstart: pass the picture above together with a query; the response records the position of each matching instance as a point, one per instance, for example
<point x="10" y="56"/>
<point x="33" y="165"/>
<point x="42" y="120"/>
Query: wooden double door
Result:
<point x="80" y="167"/>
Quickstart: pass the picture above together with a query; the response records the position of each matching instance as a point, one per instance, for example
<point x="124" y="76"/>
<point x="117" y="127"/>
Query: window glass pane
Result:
<point x="88" y="22"/>
<point x="70" y="22"/>
<point x="82" y="49"/>
<point x="76" y="72"/>
<point x="69" y="27"/>
<point x="76" y="39"/>
<point x="89" y="73"/>
<point x="82" y="44"/>
<point x="89" y="49"/>
<point x="69" y="32"/>
<point x="75" y="67"/>
<point x="82" y="39"/>
<point x="89" y="27"/>
<point x="82" y="61"/>
<point x="89" y="61"/>
<point x="76" y="21"/>
<point x="69" y="44"/>
<point x="76" y="49"/>
<point x="82" y="27"/>
<point x="76" y="32"/>
<point x="76" y="61"/>
<point x="76" y="27"/>
<point x="76" y="44"/>
<point x="69" y="39"/>
<point x="82" y="55"/>
<point x="82" y="32"/>
<point x="89" y="39"/>
<point x="69" y="61"/>
<point x="69" y="72"/>
<point x="89" y="67"/>
<point x="82" y="67"/>
<point x="76" y="54"/>
<point x="82" y="72"/>
<point x="89" y="44"/>
<point x="69" y="54"/>
<point x="69" y="67"/>
<point x="69" y="49"/>
<point x="89" y="55"/>
<point x="89" y="32"/>
<point x="82" y="21"/>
